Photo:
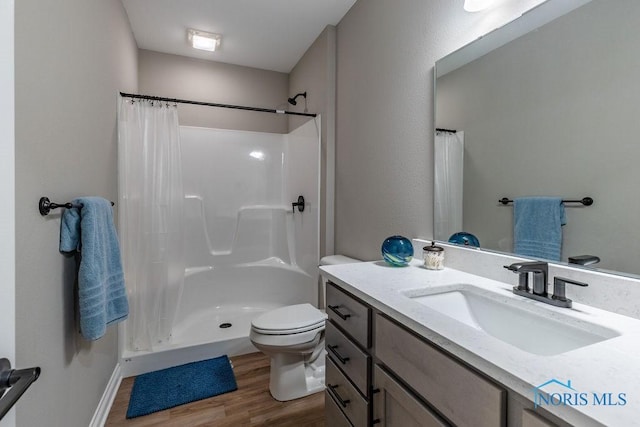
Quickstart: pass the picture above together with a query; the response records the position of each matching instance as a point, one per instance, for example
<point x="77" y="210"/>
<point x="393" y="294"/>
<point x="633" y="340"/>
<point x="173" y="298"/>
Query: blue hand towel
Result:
<point x="537" y="230"/>
<point x="102" y="297"/>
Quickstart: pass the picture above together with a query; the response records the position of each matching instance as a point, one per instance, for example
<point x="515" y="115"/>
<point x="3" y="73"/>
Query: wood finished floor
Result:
<point x="250" y="405"/>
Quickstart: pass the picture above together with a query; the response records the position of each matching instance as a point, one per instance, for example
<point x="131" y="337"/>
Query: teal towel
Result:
<point x="102" y="298"/>
<point x="537" y="227"/>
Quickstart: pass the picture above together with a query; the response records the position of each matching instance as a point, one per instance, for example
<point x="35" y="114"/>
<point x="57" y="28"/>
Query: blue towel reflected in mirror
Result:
<point x="537" y="227"/>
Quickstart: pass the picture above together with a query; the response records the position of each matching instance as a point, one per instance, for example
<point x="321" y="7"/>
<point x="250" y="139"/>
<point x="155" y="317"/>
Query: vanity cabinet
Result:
<point x="348" y="365"/>
<point x="346" y="396"/>
<point x="393" y="405"/>
<point x="350" y="315"/>
<point x="529" y="419"/>
<point x="521" y="413"/>
<point x="346" y="355"/>
<point x="462" y="396"/>
<point x="380" y="372"/>
<point x="332" y="413"/>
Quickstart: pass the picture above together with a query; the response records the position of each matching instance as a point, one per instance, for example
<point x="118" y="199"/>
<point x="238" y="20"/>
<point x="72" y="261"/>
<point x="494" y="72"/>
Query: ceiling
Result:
<point x="266" y="34"/>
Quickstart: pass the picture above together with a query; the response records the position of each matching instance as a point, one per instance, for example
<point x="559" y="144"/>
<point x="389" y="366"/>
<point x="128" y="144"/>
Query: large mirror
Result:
<point x="552" y="112"/>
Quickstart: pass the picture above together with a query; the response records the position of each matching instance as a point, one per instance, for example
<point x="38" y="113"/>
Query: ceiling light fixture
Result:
<point x="476" y="5"/>
<point x="203" y="40"/>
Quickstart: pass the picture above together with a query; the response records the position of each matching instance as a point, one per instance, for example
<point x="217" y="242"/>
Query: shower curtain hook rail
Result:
<point x="213" y="104"/>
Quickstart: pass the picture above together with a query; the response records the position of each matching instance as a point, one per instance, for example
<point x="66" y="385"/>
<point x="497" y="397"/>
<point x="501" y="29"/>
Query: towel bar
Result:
<point x="45" y="205"/>
<point x="587" y="201"/>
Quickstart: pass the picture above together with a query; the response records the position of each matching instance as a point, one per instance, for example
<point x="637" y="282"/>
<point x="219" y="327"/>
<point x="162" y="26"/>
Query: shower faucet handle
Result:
<point x="299" y="204"/>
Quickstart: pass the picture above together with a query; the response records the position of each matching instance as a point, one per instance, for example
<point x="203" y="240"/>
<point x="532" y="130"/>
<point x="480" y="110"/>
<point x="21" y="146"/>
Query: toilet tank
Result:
<point x="331" y="260"/>
<point x="337" y="259"/>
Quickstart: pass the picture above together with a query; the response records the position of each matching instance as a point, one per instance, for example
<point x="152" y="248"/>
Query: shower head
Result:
<point x="292" y="101"/>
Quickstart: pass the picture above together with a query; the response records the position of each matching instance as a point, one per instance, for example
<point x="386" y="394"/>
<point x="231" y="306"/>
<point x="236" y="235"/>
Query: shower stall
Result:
<point x="246" y="248"/>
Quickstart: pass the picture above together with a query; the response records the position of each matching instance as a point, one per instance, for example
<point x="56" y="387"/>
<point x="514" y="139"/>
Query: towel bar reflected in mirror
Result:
<point x="587" y="201"/>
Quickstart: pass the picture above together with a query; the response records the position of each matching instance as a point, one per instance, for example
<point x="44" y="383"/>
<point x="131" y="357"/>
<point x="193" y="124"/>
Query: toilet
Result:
<point x="293" y="337"/>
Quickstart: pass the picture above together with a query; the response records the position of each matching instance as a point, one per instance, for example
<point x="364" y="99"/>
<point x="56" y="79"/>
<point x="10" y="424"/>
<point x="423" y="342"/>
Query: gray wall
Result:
<point x="315" y="74"/>
<point x="174" y="76"/>
<point x="72" y="56"/>
<point x="558" y="119"/>
<point x="384" y="129"/>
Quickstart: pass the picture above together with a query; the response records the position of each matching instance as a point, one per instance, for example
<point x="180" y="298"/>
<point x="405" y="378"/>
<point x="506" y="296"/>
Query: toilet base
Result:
<point x="292" y="377"/>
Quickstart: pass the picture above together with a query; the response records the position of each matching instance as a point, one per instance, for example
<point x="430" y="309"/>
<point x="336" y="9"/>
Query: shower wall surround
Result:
<point x="246" y="251"/>
<point x="233" y="191"/>
<point x="239" y="187"/>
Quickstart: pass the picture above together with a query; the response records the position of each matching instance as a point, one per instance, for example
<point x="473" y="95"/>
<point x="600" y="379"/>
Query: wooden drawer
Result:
<point x="345" y="395"/>
<point x="393" y="405"/>
<point x="351" y="315"/>
<point x="458" y="393"/>
<point x="332" y="414"/>
<point x="530" y="419"/>
<point x="345" y="354"/>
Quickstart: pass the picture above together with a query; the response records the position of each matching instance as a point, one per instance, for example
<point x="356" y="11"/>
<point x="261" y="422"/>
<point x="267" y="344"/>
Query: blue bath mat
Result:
<point x="182" y="384"/>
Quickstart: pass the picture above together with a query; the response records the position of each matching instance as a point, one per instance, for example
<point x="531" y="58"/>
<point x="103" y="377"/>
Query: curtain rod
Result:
<point x="446" y="130"/>
<point x="212" y="104"/>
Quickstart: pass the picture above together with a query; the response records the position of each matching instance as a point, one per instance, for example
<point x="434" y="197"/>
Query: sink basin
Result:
<point x="519" y="323"/>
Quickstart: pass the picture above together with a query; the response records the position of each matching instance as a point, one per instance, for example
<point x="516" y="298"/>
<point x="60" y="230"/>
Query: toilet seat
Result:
<point x="289" y="320"/>
<point x="287" y="342"/>
<point x="288" y="331"/>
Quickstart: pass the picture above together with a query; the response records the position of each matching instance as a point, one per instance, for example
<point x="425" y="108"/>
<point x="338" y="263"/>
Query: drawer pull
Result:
<point x="335" y="309"/>
<point x="341" y="358"/>
<point x="336" y="396"/>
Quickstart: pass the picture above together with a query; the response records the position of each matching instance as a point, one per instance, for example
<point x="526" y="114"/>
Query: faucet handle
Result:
<point x="515" y="267"/>
<point x="559" y="292"/>
<point x="523" y="278"/>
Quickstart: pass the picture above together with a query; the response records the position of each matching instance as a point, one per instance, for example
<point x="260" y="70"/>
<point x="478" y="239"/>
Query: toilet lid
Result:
<point x="290" y="319"/>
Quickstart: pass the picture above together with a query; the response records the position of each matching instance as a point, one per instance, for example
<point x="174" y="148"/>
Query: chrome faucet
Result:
<point x="540" y="292"/>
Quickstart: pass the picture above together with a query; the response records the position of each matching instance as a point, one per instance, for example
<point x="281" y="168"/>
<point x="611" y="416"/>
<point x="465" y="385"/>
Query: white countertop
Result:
<point x="610" y="366"/>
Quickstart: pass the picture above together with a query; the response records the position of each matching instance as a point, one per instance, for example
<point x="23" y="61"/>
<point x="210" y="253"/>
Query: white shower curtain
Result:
<point x="449" y="162"/>
<point x="151" y="218"/>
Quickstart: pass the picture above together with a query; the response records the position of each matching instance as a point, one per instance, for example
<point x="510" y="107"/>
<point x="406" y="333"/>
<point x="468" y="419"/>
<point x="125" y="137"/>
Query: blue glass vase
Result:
<point x="464" y="238"/>
<point x="397" y="251"/>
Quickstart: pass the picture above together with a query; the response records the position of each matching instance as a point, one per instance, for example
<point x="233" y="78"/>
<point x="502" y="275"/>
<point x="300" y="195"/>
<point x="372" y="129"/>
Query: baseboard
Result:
<point x="104" y="406"/>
